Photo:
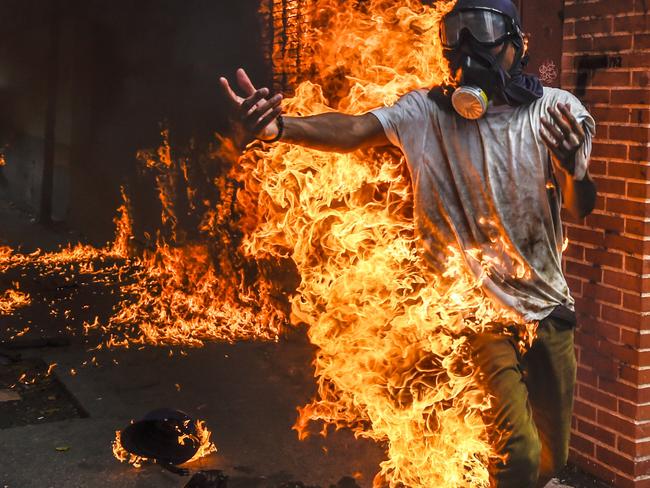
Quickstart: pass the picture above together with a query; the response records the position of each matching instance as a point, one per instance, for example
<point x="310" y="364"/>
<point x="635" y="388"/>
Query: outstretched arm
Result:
<point x="565" y="137"/>
<point x="258" y="113"/>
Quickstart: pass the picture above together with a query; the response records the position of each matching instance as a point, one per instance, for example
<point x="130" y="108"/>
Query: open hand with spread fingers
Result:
<point x="564" y="136"/>
<point x="256" y="110"/>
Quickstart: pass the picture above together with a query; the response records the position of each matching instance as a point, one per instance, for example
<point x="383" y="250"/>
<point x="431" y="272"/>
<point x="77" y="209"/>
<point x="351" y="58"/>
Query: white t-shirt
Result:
<point x="489" y="185"/>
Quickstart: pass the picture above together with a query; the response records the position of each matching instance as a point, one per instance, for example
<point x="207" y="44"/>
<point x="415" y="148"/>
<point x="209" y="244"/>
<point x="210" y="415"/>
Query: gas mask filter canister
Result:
<point x="470" y="102"/>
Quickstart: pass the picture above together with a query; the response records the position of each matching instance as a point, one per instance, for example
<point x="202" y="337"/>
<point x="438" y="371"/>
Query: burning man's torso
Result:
<point x="488" y="187"/>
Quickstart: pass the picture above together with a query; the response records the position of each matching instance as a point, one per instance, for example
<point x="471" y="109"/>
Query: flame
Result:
<point x="180" y="291"/>
<point x="206" y="447"/>
<point x="393" y="361"/>
<point x="13" y="299"/>
<point x="124" y="456"/>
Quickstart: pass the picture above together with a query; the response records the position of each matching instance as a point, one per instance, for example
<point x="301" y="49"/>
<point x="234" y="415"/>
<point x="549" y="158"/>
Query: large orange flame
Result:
<point x="393" y="361"/>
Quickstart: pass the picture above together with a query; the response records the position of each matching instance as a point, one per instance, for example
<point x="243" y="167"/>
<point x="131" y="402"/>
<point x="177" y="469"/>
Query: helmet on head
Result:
<point x="488" y="22"/>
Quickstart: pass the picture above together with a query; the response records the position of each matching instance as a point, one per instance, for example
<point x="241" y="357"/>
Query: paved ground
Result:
<point x="247" y="393"/>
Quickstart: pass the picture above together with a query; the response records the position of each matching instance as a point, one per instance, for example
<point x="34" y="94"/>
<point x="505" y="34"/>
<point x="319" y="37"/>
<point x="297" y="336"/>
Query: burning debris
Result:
<point x="13" y="299"/>
<point x="167" y="437"/>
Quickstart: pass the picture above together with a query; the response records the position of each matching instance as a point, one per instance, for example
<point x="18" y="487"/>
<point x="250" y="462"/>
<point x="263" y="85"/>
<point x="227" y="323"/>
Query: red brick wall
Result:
<point x="606" y="61"/>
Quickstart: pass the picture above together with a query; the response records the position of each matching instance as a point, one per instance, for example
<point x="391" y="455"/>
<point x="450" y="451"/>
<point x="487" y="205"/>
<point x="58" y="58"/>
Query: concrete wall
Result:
<point x="124" y="68"/>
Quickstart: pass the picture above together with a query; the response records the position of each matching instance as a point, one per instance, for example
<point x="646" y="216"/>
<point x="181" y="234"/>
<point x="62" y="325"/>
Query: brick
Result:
<point x="588" y="236"/>
<point x="584" y="410"/>
<point x="583" y="444"/>
<point x="618" y="316"/>
<point x="575" y="285"/>
<point x="614" y="460"/>
<point x="616" y="43"/>
<point x="640" y="153"/>
<point x="620" y="390"/>
<point x="627" y="207"/>
<point x="640" y="79"/>
<point x="596" y="432"/>
<point x="602" y="293"/>
<point x="637" y="227"/>
<point x="598" y="397"/>
<point x="635" y="60"/>
<point x="638" y="190"/>
<point x="633" y="410"/>
<point x="632" y="23"/>
<point x="640" y="115"/>
<point x="569" y="29"/>
<point x="628" y="409"/>
<point x="611" y="114"/>
<point x="606" y="222"/>
<point x="593" y="26"/>
<point x="587" y="308"/>
<point x="585" y="338"/>
<point x="599" y="8"/>
<point x="643" y="342"/>
<point x="603" y="78"/>
<point x="616" y="423"/>
<point x="590" y="272"/>
<point x="575" y="252"/>
<point x="641" y="41"/>
<point x="626" y="243"/>
<point x="639" y="376"/>
<point x="597" y="167"/>
<point x="621" y="280"/>
<point x="641" y="468"/>
<point x="609" y="186"/>
<point x="637" y="265"/>
<point x="604" y="257"/>
<point x="630" y="338"/>
<point x="568" y="61"/>
<point x="615" y="353"/>
<point x="610" y="332"/>
<point x="629" y="133"/>
<point x="591" y="466"/>
<point x="587" y="377"/>
<point x="597" y="95"/>
<point x="632" y="301"/>
<point x="635" y="96"/>
<point x="628" y="170"/>
<point x="604" y="150"/>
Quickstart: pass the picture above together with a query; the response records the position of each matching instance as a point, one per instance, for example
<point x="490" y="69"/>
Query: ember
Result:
<point x="13" y="299"/>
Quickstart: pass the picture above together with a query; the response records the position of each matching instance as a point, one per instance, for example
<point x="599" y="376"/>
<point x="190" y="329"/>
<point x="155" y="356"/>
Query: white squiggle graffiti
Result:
<point x="548" y="72"/>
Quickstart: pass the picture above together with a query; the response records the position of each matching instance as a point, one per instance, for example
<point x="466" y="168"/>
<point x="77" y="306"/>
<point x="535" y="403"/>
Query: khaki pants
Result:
<point x="533" y="402"/>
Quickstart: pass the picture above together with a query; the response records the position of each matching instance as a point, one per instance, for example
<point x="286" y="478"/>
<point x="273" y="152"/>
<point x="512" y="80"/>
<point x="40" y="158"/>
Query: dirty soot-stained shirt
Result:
<point x="490" y="185"/>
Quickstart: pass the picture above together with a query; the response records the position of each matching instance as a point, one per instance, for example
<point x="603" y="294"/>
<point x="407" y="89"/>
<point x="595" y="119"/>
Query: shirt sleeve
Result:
<point x="589" y="125"/>
<point x="402" y="117"/>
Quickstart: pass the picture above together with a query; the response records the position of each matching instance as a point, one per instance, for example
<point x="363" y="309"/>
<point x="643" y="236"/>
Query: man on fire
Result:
<point x="496" y="155"/>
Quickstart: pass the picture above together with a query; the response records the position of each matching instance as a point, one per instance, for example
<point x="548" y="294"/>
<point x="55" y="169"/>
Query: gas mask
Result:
<point x="468" y="34"/>
<point x="481" y="79"/>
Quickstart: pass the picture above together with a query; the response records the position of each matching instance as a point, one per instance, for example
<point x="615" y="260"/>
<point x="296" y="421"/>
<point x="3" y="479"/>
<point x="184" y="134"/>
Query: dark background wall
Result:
<point x="123" y="68"/>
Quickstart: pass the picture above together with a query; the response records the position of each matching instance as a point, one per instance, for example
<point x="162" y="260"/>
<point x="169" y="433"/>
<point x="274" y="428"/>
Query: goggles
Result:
<point x="487" y="26"/>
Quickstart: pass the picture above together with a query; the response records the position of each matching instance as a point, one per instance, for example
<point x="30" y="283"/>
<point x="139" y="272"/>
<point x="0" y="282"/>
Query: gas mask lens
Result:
<point x="486" y="26"/>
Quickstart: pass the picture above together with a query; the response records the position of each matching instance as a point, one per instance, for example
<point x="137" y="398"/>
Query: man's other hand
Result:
<point x="564" y="136"/>
<point x="255" y="110"/>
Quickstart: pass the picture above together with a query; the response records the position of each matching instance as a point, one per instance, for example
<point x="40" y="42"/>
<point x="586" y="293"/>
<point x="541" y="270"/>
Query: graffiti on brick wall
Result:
<point x="588" y="65"/>
<point x="548" y="72"/>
